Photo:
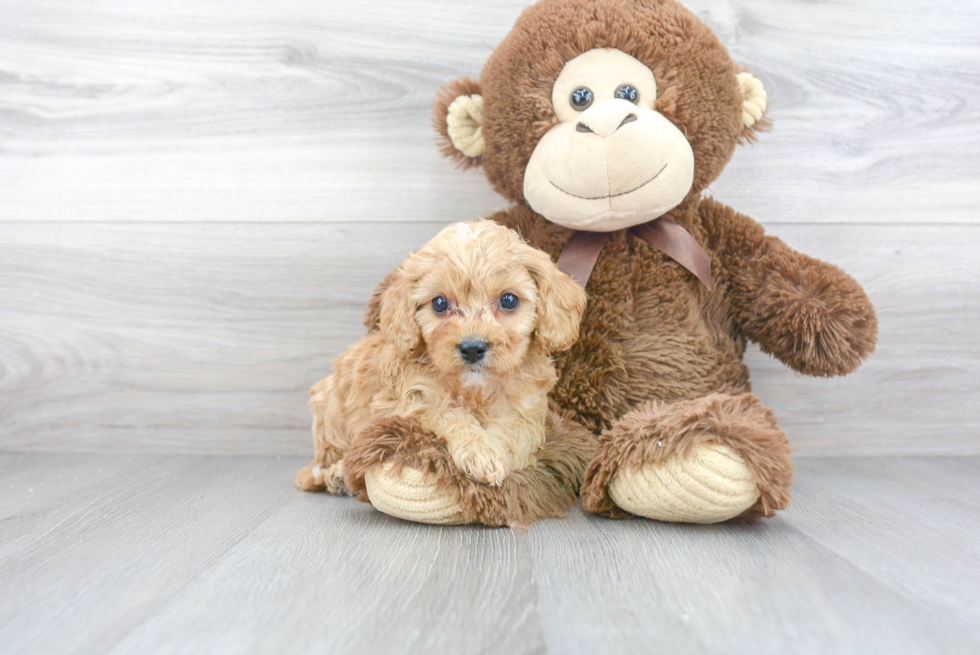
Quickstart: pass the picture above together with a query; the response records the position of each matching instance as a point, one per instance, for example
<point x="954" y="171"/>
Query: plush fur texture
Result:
<point x="545" y="489"/>
<point x="489" y="413"/>
<point x="659" y="357"/>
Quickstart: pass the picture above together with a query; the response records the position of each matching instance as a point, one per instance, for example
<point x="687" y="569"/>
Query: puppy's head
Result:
<point x="477" y="296"/>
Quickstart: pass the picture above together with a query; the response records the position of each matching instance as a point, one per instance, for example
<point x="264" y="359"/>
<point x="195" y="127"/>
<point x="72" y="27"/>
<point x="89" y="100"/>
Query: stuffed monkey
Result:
<point x="603" y="122"/>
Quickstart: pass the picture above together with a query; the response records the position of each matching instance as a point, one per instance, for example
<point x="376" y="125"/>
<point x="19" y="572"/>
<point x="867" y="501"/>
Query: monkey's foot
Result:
<point x="713" y="484"/>
<point x="411" y="494"/>
<point x="705" y="460"/>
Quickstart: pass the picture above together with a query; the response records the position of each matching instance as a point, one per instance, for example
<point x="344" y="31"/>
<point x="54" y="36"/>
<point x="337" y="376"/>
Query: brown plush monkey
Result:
<point x="602" y="121"/>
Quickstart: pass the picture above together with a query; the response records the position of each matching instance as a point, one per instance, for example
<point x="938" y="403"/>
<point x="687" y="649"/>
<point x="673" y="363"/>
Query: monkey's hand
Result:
<point x="809" y="314"/>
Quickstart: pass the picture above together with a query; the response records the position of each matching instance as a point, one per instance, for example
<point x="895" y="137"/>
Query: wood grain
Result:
<point x="305" y="110"/>
<point x="869" y="517"/>
<point x="195" y="202"/>
<point x="221" y="554"/>
<point x="206" y="338"/>
<point x="101" y="558"/>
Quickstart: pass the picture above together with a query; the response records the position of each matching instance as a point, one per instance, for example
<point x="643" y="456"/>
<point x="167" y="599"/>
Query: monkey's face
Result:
<point x="602" y="115"/>
<point x="612" y="161"/>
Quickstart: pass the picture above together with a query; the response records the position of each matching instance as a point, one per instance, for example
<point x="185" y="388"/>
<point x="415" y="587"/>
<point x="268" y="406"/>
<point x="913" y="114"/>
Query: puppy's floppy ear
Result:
<point x="561" y="302"/>
<point x="397" y="313"/>
<point x="457" y="116"/>
<point x="372" y="317"/>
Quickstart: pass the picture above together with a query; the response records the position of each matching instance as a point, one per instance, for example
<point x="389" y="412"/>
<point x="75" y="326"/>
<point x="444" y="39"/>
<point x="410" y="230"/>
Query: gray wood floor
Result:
<point x="195" y="554"/>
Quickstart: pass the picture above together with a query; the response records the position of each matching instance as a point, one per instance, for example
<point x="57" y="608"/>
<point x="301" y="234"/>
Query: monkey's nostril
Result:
<point x="582" y="127"/>
<point x="629" y="119"/>
<point x="472" y="350"/>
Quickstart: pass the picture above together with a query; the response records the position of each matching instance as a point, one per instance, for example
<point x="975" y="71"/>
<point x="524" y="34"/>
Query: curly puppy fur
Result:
<point x="660" y="356"/>
<point x="490" y="413"/>
<point x="545" y="489"/>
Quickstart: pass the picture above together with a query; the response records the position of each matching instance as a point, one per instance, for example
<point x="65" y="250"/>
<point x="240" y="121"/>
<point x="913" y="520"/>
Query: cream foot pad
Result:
<point x="412" y="495"/>
<point x="712" y="485"/>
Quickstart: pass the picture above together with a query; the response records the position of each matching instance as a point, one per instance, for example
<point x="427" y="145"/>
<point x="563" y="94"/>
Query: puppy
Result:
<point x="467" y="327"/>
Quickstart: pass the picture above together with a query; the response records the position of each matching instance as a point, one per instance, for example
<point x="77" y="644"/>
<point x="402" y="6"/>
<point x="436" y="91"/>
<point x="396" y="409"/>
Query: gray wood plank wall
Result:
<point x="196" y="200"/>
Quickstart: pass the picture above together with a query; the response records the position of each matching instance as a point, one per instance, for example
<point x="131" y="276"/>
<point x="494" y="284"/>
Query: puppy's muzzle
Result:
<point x="472" y="350"/>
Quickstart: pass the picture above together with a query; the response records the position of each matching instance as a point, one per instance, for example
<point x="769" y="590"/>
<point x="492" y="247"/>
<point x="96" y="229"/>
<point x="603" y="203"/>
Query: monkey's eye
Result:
<point x="581" y="99"/>
<point x="509" y="301"/>
<point x="440" y="305"/>
<point x="627" y="92"/>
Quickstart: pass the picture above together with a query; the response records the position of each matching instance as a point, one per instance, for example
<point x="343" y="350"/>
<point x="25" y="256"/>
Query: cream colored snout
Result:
<point x="607" y="118"/>
<point x="610" y="167"/>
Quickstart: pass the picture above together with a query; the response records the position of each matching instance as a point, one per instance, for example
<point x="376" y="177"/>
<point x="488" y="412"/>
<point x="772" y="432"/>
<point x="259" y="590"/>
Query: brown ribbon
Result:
<point x="582" y="251"/>
<point x="580" y="255"/>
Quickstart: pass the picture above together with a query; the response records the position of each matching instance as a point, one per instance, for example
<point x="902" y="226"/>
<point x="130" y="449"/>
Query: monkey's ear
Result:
<point x="754" y="103"/>
<point x="458" y="118"/>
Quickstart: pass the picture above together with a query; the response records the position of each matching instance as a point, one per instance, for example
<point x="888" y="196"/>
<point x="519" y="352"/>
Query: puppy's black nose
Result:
<point x="472" y="350"/>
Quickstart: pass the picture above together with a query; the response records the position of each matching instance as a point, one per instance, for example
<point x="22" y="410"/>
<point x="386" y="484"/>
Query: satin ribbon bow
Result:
<point x="582" y="251"/>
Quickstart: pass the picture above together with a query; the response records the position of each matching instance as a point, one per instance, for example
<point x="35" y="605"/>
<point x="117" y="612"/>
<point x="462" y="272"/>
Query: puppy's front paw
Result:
<point x="483" y="463"/>
<point x="333" y="478"/>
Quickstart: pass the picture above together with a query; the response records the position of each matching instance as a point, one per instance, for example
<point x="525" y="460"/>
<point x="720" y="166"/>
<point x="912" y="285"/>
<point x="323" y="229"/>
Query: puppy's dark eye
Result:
<point x="509" y="301"/>
<point x="581" y="99"/>
<point x="627" y="92"/>
<point x="440" y="305"/>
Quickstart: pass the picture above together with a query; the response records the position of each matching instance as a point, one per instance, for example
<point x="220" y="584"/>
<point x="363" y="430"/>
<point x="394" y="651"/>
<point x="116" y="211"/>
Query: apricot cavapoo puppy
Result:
<point x="463" y="346"/>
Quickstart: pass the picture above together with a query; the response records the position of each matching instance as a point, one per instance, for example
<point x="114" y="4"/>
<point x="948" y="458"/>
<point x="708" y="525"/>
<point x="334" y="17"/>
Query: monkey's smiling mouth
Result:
<point x="612" y="195"/>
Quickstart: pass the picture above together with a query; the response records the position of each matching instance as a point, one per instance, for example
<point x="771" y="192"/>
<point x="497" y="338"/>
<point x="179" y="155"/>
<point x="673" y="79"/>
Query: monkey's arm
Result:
<point x="809" y="314"/>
